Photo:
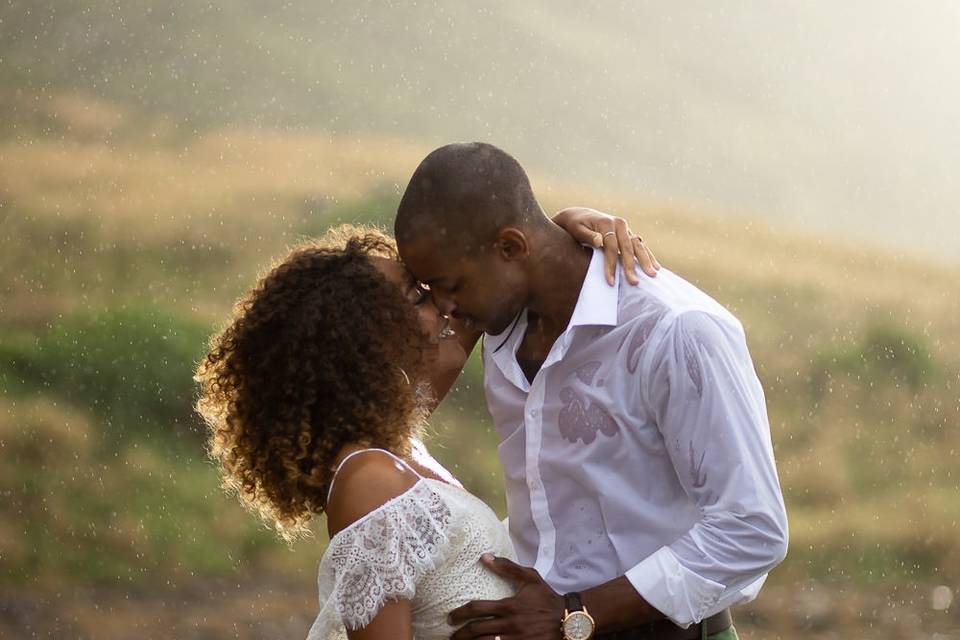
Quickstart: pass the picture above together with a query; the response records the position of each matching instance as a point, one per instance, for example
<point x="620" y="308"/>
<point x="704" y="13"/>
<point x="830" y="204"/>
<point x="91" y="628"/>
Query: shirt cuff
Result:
<point x="672" y="589"/>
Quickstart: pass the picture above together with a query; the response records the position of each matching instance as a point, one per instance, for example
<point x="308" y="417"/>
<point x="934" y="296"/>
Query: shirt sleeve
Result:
<point x="708" y="404"/>
<point x="381" y="558"/>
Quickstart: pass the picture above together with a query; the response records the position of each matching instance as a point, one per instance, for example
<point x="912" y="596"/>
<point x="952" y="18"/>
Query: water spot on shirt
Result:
<point x="581" y="419"/>
<point x="637" y="340"/>
<point x="585" y="372"/>
<point x="693" y="364"/>
<point x="698" y="476"/>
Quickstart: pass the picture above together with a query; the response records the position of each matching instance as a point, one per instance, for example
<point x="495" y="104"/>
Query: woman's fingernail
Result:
<point x="487" y="557"/>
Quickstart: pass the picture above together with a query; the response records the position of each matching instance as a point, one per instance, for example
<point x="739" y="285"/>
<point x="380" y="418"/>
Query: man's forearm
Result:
<point x="616" y="605"/>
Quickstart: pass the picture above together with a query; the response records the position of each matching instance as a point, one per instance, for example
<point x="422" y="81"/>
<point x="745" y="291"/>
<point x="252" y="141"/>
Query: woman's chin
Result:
<point x="450" y="355"/>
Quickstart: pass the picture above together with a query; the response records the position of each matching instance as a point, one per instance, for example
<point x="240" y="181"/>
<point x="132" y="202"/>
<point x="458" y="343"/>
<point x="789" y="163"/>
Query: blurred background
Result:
<point x="794" y="160"/>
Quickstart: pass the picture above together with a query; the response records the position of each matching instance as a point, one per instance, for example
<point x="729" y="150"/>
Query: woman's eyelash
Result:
<point x="422" y="295"/>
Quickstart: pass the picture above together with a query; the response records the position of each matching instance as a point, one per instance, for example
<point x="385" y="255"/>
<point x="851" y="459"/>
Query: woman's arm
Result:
<point x="453" y="358"/>
<point x="392" y="622"/>
<point x="363" y="484"/>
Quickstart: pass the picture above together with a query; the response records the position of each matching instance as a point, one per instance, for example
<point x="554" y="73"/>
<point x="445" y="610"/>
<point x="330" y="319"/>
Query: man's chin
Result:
<point x="495" y="328"/>
<point x="490" y="327"/>
<point x="472" y="324"/>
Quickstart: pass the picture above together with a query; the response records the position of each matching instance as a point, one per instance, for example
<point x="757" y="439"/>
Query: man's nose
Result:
<point x="444" y="304"/>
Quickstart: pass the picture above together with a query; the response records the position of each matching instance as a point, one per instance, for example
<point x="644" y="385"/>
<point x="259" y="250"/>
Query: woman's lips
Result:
<point x="446" y="333"/>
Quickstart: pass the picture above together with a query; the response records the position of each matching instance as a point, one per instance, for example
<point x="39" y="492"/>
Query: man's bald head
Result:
<point x="463" y="194"/>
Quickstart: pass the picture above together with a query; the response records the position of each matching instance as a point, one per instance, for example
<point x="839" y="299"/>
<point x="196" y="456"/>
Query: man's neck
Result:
<point x="557" y="277"/>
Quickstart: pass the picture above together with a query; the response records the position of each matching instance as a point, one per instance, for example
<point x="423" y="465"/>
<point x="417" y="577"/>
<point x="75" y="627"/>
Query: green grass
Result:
<point x="887" y="354"/>
<point x="130" y="365"/>
<point x="79" y="514"/>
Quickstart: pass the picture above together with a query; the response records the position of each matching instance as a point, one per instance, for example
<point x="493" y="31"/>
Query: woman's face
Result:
<point x="442" y="351"/>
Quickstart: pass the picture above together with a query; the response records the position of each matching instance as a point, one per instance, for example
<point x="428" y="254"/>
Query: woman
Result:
<point x="314" y="396"/>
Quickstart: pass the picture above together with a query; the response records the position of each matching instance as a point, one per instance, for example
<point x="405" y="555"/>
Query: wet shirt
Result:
<point x="641" y="448"/>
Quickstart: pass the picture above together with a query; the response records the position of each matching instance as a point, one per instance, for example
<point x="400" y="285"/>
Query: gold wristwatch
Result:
<point x="577" y="623"/>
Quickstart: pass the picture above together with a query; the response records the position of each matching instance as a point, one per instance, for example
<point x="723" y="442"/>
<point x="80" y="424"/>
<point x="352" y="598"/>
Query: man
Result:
<point x="641" y="486"/>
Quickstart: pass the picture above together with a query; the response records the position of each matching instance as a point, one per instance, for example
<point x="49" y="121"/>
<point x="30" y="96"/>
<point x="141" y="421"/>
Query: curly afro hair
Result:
<point x="311" y="361"/>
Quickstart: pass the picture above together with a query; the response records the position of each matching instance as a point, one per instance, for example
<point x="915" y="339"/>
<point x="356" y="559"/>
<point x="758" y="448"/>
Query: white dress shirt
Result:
<point x="641" y="448"/>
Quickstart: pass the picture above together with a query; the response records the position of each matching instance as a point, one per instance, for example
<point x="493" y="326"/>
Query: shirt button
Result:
<point x="533" y="413"/>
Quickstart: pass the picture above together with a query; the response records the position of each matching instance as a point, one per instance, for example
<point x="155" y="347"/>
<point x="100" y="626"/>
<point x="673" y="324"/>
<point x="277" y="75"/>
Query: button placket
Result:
<point x="539" y="507"/>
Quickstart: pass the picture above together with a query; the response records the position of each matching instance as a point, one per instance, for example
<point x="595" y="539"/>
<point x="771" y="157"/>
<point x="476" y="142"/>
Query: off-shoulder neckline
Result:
<point x="420" y="481"/>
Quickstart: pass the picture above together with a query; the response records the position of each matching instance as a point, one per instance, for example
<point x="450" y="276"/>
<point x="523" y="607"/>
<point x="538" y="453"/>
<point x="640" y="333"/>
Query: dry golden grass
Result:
<point x="215" y="182"/>
<point x="250" y="181"/>
<point x="243" y="188"/>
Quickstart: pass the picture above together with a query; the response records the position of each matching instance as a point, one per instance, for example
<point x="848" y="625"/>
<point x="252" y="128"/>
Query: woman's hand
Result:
<point x="598" y="229"/>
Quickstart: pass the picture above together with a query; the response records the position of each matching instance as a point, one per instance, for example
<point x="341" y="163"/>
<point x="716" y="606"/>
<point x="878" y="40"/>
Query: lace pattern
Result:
<point x="383" y="556"/>
<point x="422" y="546"/>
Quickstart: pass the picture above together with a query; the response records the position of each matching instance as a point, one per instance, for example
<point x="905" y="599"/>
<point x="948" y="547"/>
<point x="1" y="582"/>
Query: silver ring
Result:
<point x="609" y="233"/>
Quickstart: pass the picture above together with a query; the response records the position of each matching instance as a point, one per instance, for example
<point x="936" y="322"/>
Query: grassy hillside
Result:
<point x="123" y="244"/>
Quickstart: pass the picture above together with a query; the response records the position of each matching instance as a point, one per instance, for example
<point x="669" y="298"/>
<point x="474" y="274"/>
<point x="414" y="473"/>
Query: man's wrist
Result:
<point x="561" y="217"/>
<point x="577" y="623"/>
<point x="572" y="601"/>
<point x="616" y="605"/>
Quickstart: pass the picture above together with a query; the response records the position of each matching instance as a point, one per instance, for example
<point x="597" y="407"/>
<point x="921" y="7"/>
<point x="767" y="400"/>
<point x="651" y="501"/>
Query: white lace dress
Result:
<point x="423" y="545"/>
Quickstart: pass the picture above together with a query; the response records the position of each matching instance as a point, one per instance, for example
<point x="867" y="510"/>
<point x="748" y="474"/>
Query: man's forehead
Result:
<point x="439" y="272"/>
<point x="439" y="238"/>
<point x="431" y="263"/>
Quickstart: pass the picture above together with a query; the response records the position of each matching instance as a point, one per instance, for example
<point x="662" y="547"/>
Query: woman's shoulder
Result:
<point x="366" y="480"/>
<point x="427" y="466"/>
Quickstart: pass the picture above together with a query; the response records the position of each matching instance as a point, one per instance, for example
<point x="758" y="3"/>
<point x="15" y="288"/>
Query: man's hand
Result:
<point x="533" y="614"/>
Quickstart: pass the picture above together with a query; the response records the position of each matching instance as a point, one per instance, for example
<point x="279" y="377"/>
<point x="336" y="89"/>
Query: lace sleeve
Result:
<point x="379" y="558"/>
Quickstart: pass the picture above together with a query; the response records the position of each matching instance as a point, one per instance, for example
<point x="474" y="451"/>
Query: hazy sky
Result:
<point x="837" y="117"/>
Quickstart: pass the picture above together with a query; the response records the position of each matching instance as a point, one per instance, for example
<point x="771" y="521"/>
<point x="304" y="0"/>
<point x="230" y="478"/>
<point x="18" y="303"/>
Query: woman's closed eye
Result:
<point x="419" y="294"/>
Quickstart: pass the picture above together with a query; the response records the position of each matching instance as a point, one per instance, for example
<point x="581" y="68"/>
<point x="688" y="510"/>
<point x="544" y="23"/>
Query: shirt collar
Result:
<point x="598" y="301"/>
<point x="502" y="349"/>
<point x="597" y="305"/>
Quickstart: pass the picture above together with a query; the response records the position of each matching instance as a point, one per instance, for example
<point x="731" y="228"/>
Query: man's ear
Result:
<point x="512" y="244"/>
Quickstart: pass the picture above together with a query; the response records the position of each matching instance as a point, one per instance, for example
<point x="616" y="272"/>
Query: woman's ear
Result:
<point x="512" y="244"/>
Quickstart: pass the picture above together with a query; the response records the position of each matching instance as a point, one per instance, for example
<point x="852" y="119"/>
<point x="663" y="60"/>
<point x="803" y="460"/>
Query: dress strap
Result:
<point x="353" y="453"/>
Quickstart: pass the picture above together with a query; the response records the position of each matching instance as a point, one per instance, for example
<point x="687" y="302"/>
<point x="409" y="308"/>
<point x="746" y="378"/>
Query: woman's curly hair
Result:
<point x="321" y="353"/>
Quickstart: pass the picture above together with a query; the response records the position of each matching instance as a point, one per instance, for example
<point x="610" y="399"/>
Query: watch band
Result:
<point x="572" y="602"/>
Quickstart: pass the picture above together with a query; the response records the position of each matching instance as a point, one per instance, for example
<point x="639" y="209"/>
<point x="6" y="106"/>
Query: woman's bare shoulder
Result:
<point x="364" y="483"/>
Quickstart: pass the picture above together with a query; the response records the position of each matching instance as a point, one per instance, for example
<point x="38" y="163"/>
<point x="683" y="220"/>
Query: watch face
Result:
<point x="578" y="626"/>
